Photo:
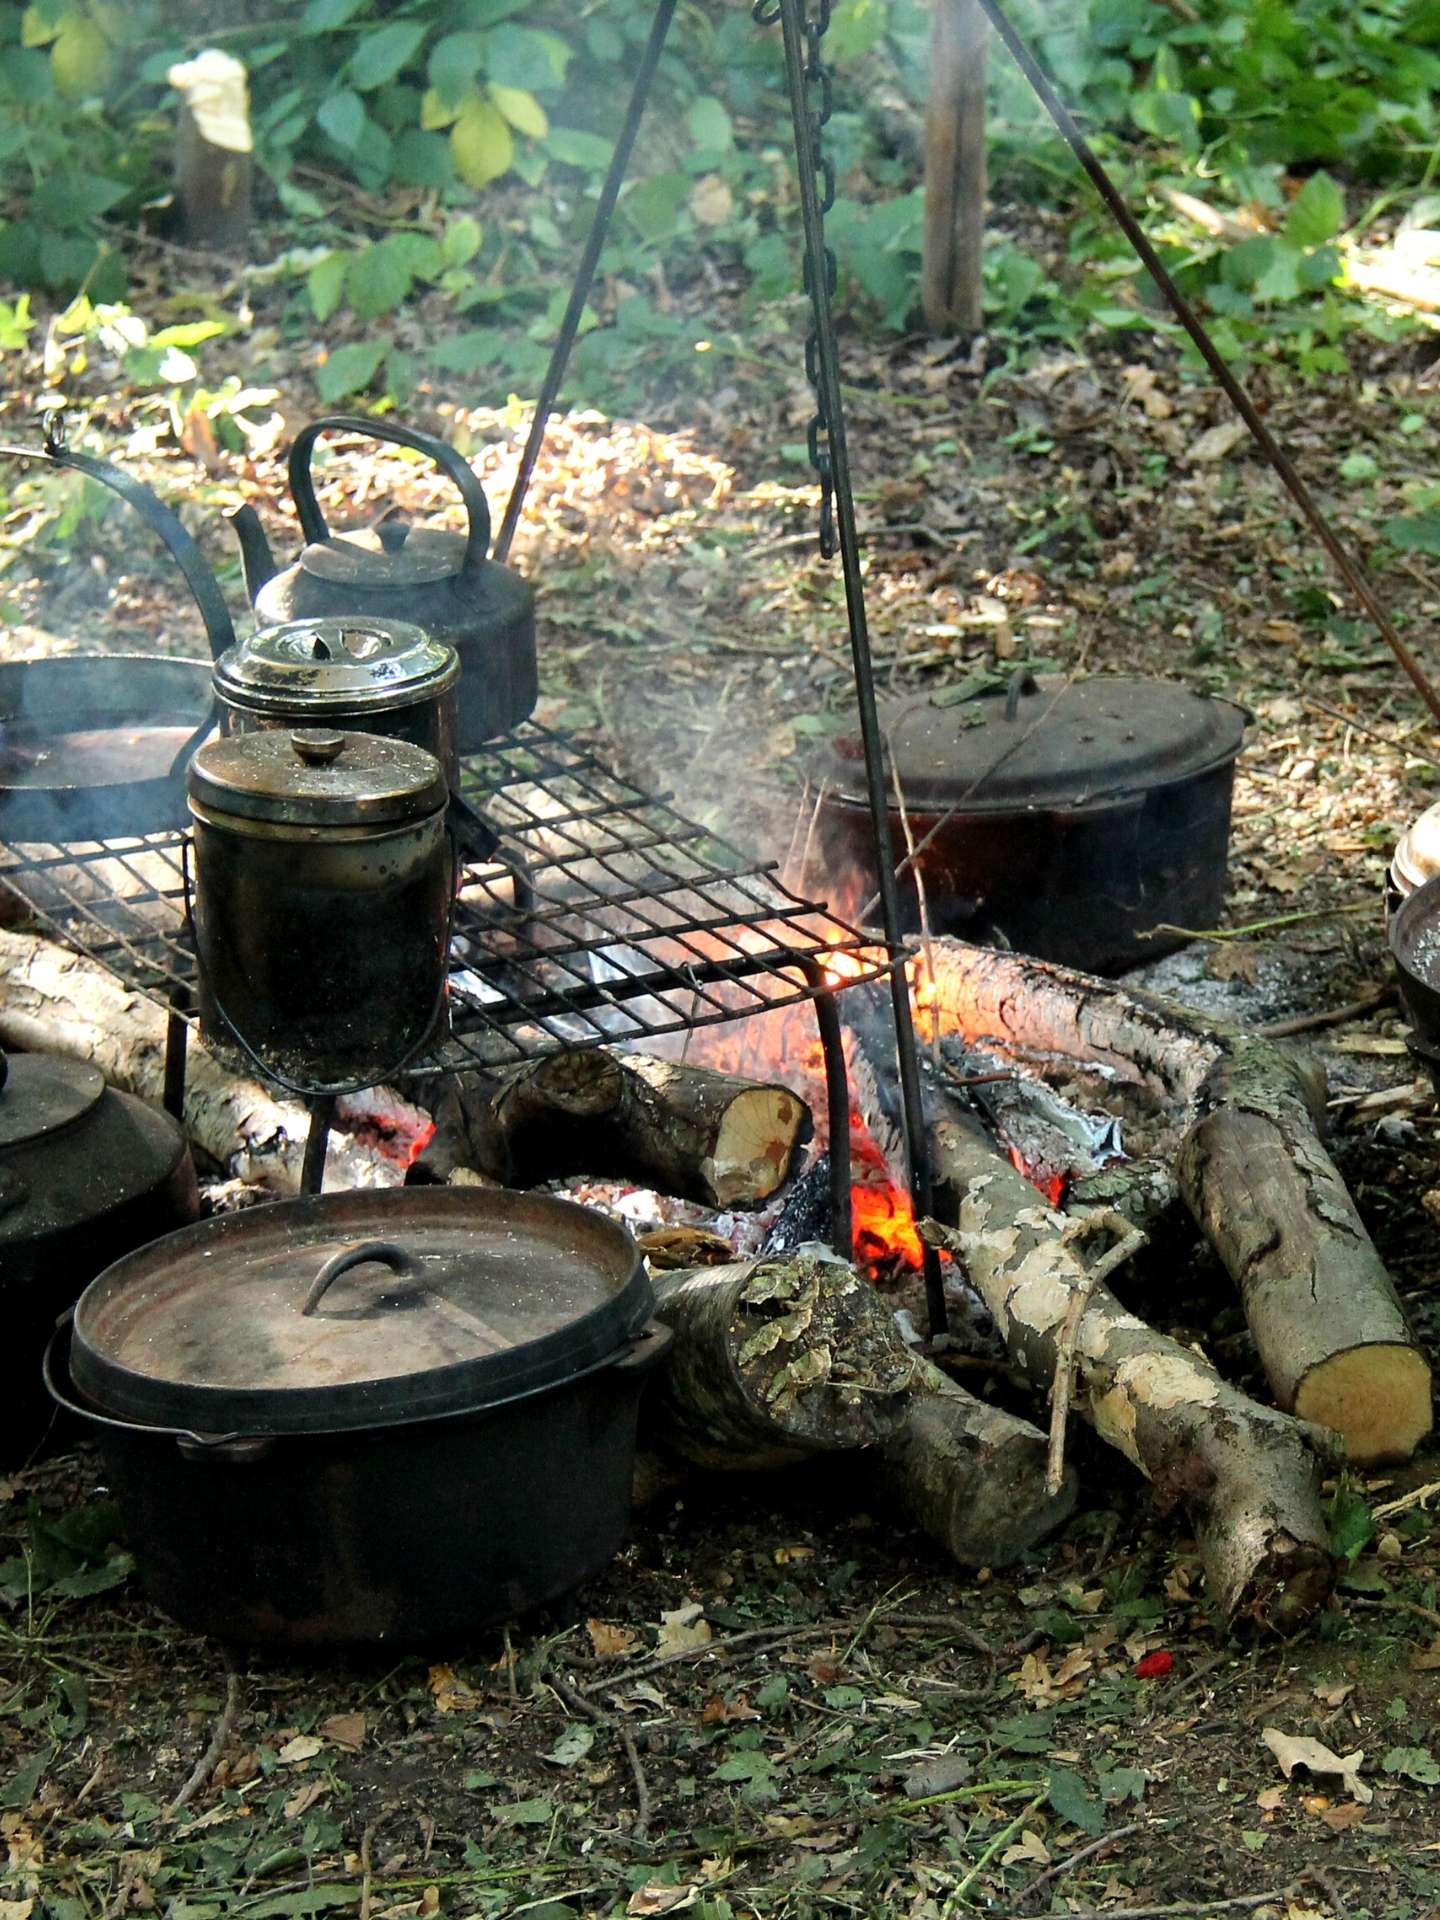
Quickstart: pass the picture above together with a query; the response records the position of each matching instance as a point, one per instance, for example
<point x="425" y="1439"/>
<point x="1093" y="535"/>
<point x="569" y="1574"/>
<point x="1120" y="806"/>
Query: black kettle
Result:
<point x="439" y="581"/>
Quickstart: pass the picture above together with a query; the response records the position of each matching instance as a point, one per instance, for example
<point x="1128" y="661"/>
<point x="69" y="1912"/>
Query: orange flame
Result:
<point x="883" y="1227"/>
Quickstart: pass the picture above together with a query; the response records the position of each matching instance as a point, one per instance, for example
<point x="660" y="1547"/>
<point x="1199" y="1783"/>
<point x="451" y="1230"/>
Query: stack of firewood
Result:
<point x="795" y="1356"/>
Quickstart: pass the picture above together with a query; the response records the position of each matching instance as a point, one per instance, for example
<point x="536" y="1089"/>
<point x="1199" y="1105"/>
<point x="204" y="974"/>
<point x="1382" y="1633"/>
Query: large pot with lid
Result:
<point x="357" y="674"/>
<point x="323" y="877"/>
<point x="441" y="581"/>
<point x="368" y="1416"/>
<point x="86" y="1173"/>
<point x="1064" y="820"/>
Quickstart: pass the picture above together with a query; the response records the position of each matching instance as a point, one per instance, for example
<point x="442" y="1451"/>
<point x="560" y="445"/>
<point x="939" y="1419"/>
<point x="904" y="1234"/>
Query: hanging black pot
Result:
<point x="368" y="1416"/>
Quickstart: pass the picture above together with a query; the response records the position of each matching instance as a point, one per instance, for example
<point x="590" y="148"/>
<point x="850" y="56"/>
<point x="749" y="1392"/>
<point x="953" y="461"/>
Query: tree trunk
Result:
<point x="955" y="174"/>
<point x="683" y="1130"/>
<point x="1248" y="1476"/>
<point x="55" y="1001"/>
<point x="1327" y="1323"/>
<point x="212" y="152"/>
<point x="972" y="1475"/>
<point x="774" y="1362"/>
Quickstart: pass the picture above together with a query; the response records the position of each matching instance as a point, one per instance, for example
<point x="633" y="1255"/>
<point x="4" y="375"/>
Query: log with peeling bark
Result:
<point x="775" y="1361"/>
<point x="972" y="1475"/>
<point x="56" y="1001"/>
<point x="1328" y="1326"/>
<point x="1248" y="1476"/>
<point x="686" y="1131"/>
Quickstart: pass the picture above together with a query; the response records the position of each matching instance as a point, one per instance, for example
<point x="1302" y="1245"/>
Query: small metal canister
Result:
<point x="1416" y="859"/>
<point x="372" y="676"/>
<point x="323" y="881"/>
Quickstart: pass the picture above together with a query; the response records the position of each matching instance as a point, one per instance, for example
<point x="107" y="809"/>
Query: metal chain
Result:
<point x="818" y="87"/>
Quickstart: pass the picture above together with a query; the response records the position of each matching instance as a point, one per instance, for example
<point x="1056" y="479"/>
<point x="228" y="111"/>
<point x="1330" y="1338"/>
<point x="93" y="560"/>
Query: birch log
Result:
<point x="56" y="1001"/>
<point x="1248" y="1476"/>
<point x="972" y="1475"/>
<point x="1328" y="1326"/>
<point x="684" y="1130"/>
<point x="774" y="1362"/>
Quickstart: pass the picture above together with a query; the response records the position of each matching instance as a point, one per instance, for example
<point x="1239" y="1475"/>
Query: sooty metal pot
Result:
<point x="365" y="1417"/>
<point x="86" y="1173"/>
<point x="361" y="674"/>
<point x="1065" y="820"/>
<point x="323" y="880"/>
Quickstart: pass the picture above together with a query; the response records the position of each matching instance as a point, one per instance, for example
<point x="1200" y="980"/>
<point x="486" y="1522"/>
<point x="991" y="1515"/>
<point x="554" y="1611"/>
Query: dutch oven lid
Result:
<point x="314" y="777"/>
<point x="1045" y="744"/>
<point x="348" y="665"/>
<point x="274" y="1321"/>
<point x="387" y="556"/>
<point x="40" y="1094"/>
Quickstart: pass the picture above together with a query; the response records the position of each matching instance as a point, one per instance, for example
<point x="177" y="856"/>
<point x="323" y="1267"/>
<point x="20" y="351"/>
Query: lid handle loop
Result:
<point x="385" y="1251"/>
<point x="451" y="464"/>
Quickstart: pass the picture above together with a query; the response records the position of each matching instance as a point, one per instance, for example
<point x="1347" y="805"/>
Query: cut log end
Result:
<point x="755" y="1144"/>
<point x="1378" y="1398"/>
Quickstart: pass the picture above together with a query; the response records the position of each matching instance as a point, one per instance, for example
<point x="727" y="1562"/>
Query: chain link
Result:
<point x="821" y="102"/>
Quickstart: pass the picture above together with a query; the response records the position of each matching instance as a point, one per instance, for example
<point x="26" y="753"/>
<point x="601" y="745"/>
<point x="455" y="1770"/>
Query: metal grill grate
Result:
<point x="604" y="915"/>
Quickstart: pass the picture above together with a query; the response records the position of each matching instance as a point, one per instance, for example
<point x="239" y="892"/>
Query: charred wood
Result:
<point x="683" y="1130"/>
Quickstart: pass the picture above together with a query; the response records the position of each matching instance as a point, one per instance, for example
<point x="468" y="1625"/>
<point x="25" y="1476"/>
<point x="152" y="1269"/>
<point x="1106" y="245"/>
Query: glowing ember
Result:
<point x="1049" y="1183"/>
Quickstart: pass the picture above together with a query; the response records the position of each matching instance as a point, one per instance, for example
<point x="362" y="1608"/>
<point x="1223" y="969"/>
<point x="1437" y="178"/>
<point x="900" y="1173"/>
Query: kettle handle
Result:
<point x="219" y="628"/>
<point x="453" y="465"/>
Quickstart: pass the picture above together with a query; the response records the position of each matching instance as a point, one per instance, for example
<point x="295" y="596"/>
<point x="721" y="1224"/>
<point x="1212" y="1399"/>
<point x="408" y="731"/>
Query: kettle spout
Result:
<point x="256" y="558"/>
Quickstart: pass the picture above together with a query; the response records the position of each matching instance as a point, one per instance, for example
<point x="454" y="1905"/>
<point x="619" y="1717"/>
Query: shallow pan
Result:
<point x="94" y="746"/>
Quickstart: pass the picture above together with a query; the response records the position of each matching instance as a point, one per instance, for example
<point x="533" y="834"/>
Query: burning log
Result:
<point x="1328" y="1326"/>
<point x="686" y="1131"/>
<point x="775" y="1361"/>
<point x="1249" y="1477"/>
<point x="55" y="1001"/>
<point x="972" y="1475"/>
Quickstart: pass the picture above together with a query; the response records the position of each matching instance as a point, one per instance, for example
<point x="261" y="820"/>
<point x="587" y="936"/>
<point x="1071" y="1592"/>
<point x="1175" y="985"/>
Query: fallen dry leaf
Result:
<point x="1219" y="440"/>
<point x="1029" y="1847"/>
<point x="16" y="1909"/>
<point x="711" y="201"/>
<point x="1425" y="1658"/>
<point x="682" y="1629"/>
<point x="1271" y="1799"/>
<point x="1339" y="1818"/>
<point x="1337" y="1695"/>
<point x="302" y="1801"/>
<point x="303" y="1747"/>
<point x="1294" y="1750"/>
<point x="655" y="1898"/>
<point x="345" y="1730"/>
<point x="451" y="1694"/>
<point x="718" y="1709"/>
<point x="610" y="1643"/>
<point x="784" y="1555"/>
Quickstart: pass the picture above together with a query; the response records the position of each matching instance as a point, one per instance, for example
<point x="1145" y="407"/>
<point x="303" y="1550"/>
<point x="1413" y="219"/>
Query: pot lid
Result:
<point x="312" y="776"/>
<point x="390" y="554"/>
<point x="348" y="1310"/>
<point x="350" y="664"/>
<point x="1417" y="856"/>
<point x="40" y="1094"/>
<point x="1046" y="744"/>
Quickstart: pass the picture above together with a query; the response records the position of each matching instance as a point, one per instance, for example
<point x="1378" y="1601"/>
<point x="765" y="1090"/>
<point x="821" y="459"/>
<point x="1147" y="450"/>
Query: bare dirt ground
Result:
<point x="825" y="1718"/>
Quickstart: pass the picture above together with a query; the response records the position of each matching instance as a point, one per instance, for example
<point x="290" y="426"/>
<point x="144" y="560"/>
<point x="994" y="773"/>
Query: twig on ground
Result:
<point x="1392" y="1603"/>
<point x="1183" y="1909"/>
<point x="224" y="1727"/>
<point x="1007" y="1832"/>
<point x="1327" y="1017"/>
<point x="365" y="1878"/>
<point x="1072" y="1860"/>
<point x="1417" y="1497"/>
<point x="582" y="1703"/>
<point x="1386" y="739"/>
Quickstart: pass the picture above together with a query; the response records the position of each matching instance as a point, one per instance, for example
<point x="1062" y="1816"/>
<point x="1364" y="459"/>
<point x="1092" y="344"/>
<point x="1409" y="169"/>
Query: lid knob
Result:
<point x="393" y="532"/>
<point x="317" y="746"/>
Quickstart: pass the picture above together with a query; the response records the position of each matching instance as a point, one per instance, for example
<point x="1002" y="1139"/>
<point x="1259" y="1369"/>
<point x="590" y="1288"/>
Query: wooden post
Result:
<point x="955" y="167"/>
<point x="212" y="152"/>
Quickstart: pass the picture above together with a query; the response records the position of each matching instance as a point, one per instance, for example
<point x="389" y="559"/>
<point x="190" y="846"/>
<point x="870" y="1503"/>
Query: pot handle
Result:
<point x="453" y="465"/>
<point x="241" y="1448"/>
<point x="649" y="1350"/>
<point x="219" y="628"/>
<point x="396" y="1258"/>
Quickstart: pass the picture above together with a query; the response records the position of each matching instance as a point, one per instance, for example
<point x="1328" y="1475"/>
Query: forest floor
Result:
<point x="827" y="1718"/>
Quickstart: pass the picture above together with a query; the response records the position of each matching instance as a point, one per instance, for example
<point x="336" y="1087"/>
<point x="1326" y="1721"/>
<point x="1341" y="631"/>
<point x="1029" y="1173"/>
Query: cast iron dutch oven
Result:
<point x="1064" y="821"/>
<point x="86" y="1173"/>
<point x="362" y="1417"/>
